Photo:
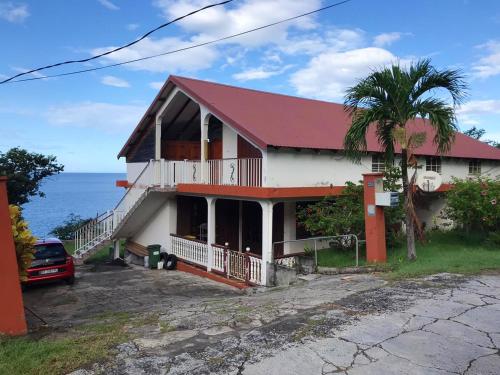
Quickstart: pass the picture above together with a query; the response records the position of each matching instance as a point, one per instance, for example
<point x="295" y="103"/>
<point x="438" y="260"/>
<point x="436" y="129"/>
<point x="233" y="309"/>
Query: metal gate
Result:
<point x="237" y="264"/>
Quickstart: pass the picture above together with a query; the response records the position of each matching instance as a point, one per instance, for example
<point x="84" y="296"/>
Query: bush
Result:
<point x="344" y="214"/>
<point x="66" y="231"/>
<point x="23" y="241"/>
<point x="473" y="204"/>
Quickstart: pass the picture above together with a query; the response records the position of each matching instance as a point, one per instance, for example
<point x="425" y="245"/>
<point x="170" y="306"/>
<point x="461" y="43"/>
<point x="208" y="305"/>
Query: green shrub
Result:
<point x="66" y="231"/>
<point x="473" y="204"/>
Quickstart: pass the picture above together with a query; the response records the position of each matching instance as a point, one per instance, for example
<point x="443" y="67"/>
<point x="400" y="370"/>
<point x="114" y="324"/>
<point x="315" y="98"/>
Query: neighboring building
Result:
<point x="211" y="164"/>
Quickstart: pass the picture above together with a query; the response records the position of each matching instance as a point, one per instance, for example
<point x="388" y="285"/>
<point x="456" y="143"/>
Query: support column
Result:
<point x="240" y="226"/>
<point x="374" y="220"/>
<point x="290" y="226"/>
<point x="204" y="118"/>
<point x="158" y="138"/>
<point x="267" y="240"/>
<point x="116" y="249"/>
<point x="210" y="230"/>
<point x="12" y="320"/>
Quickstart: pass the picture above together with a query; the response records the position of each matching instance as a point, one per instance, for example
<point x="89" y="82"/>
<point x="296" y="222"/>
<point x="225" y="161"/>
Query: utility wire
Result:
<point x="184" y="48"/>
<point x="118" y="48"/>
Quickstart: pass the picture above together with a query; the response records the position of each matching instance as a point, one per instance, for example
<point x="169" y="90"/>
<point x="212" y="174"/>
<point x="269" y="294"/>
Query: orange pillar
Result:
<point x="374" y="221"/>
<point x="12" y="320"/>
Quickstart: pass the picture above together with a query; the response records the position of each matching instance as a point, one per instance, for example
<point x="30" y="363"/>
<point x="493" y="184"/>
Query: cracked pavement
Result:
<point x="359" y="324"/>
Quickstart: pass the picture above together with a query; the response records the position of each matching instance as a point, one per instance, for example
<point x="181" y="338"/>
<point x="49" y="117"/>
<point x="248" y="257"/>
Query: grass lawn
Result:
<point x="100" y="257"/>
<point x="442" y="252"/>
<point x="60" y="354"/>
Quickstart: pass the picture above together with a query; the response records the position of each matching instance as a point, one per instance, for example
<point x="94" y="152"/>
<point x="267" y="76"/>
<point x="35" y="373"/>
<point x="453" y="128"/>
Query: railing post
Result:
<point x="162" y="173"/>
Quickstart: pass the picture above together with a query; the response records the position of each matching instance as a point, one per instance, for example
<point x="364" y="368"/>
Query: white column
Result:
<point x="290" y="226"/>
<point x="240" y="226"/>
<point x="267" y="238"/>
<point x="116" y="249"/>
<point x="210" y="229"/>
<point x="204" y="119"/>
<point x="158" y="138"/>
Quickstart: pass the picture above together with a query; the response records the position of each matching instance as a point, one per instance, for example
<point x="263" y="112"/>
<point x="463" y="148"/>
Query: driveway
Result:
<point x="445" y="324"/>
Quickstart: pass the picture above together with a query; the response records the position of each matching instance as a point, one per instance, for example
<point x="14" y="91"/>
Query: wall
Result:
<point x="133" y="170"/>
<point x="290" y="168"/>
<point x="229" y="142"/>
<point x="158" y="228"/>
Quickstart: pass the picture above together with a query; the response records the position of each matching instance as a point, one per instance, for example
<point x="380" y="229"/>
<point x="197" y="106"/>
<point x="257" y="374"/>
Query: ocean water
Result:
<point x="84" y="194"/>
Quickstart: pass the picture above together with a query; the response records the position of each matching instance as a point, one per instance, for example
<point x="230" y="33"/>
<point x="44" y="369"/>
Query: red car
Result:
<point x="51" y="262"/>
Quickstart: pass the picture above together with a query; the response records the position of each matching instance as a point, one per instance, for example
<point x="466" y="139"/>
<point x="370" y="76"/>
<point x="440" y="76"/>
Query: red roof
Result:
<point x="270" y="119"/>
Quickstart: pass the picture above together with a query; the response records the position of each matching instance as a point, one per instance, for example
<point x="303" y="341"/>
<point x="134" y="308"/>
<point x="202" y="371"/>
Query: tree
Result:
<point x="475" y="133"/>
<point x="390" y="97"/>
<point x="66" y="231"/>
<point x="23" y="241"/>
<point x="25" y="171"/>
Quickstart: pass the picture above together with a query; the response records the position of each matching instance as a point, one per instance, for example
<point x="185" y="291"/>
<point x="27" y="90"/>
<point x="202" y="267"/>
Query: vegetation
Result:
<point x="477" y="133"/>
<point x="66" y="231"/>
<point x="334" y="216"/>
<point x="23" y="240"/>
<point x="79" y="346"/>
<point x="473" y="205"/>
<point x="390" y="98"/>
<point x="442" y="252"/>
<point x="25" y="172"/>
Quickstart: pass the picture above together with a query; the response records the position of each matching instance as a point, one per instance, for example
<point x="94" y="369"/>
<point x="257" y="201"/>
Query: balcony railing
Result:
<point x="236" y="172"/>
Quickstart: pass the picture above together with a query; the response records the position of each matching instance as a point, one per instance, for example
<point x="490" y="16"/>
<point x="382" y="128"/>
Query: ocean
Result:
<point x="84" y="194"/>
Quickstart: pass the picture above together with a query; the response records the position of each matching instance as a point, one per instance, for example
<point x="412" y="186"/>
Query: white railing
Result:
<point x="239" y="172"/>
<point x="255" y="270"/>
<point x="236" y="265"/>
<point x="218" y="258"/>
<point x="93" y="233"/>
<point x="289" y="261"/>
<point x="190" y="250"/>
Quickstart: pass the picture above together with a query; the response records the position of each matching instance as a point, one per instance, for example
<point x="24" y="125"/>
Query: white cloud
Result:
<point x="15" y="13"/>
<point x="114" y="81"/>
<point x="156" y="85"/>
<point x="488" y="65"/>
<point x="386" y="39"/>
<point x="470" y="113"/>
<point x="113" y="118"/>
<point x="259" y="73"/>
<point x="327" y="75"/>
<point x="226" y="20"/>
<point x="108" y="4"/>
<point x="191" y="60"/>
<point x="132" y="26"/>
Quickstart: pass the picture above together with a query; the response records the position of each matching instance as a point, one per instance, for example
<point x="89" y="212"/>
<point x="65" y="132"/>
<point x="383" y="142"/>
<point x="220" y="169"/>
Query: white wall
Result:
<point x="133" y="170"/>
<point x="159" y="226"/>
<point x="229" y="142"/>
<point x="289" y="168"/>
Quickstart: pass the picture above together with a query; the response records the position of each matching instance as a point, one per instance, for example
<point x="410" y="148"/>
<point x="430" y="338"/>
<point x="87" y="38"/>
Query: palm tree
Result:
<point x="390" y="97"/>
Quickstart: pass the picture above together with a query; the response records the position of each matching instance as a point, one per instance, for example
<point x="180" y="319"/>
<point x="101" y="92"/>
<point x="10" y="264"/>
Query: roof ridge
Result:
<point x="254" y="90"/>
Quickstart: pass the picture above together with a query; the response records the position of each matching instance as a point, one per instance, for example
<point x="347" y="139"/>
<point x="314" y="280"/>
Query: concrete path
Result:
<point x="445" y="324"/>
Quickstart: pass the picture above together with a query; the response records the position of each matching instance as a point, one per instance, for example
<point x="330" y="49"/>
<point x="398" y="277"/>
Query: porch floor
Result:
<point x="185" y="267"/>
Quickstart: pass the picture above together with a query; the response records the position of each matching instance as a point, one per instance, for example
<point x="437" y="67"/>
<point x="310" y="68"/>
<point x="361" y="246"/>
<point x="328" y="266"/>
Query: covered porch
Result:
<point x="233" y="237"/>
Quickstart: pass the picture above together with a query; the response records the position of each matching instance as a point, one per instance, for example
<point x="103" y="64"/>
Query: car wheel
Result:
<point x="171" y="262"/>
<point x="70" y="280"/>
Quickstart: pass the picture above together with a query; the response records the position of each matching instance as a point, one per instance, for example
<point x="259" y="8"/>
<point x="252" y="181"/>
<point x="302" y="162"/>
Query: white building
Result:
<point x="211" y="165"/>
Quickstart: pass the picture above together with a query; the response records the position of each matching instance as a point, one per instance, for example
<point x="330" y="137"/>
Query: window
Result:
<point x="475" y="166"/>
<point x="433" y="164"/>
<point x="378" y="163"/>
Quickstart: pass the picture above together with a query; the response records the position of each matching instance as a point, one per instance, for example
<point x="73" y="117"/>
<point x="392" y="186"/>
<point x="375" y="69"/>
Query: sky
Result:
<point x="84" y="120"/>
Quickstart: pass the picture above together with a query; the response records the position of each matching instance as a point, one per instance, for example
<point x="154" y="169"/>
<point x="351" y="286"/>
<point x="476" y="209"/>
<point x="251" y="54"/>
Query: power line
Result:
<point x="184" y="48"/>
<point x="118" y="48"/>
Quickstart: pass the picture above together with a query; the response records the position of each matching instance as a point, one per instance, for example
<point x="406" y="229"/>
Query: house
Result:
<point x="215" y="174"/>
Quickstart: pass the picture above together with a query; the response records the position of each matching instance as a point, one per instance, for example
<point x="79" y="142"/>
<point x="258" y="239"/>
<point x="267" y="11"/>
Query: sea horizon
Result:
<point x="85" y="194"/>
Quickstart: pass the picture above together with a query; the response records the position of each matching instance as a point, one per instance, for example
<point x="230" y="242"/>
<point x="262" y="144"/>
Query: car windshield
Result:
<point x="49" y="250"/>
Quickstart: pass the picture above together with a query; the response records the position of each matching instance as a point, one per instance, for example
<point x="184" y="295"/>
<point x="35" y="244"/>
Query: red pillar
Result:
<point x="12" y="320"/>
<point x="374" y="221"/>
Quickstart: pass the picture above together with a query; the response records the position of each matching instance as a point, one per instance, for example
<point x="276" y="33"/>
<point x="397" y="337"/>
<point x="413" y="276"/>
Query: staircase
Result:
<point x="99" y="232"/>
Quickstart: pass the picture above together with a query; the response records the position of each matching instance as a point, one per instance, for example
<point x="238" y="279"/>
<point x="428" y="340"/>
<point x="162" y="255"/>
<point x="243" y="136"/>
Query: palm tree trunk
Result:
<point x="410" y="229"/>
